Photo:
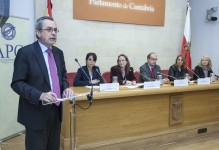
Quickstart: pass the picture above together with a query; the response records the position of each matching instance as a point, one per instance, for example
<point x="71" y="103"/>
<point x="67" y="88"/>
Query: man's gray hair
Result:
<point x="39" y="22"/>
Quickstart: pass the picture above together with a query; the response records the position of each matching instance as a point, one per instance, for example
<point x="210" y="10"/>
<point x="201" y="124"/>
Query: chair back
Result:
<point x="165" y="72"/>
<point x="106" y="76"/>
<point x="137" y="75"/>
<point x="191" y="74"/>
<point x="70" y="77"/>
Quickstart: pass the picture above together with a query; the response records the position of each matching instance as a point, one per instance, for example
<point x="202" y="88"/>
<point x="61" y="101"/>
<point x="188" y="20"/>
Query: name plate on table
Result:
<point x="109" y="87"/>
<point x="182" y="82"/>
<point x="151" y="84"/>
<point x="202" y="81"/>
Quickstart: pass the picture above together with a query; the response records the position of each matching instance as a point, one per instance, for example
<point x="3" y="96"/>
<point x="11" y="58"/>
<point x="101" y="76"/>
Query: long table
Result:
<point x="137" y="118"/>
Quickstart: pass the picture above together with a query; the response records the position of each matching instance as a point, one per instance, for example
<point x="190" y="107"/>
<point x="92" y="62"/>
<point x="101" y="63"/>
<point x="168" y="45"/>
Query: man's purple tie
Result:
<point x="152" y="73"/>
<point x="54" y="75"/>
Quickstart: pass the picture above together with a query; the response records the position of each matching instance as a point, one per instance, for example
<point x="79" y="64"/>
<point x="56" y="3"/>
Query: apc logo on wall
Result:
<point x="8" y="31"/>
<point x="8" y="51"/>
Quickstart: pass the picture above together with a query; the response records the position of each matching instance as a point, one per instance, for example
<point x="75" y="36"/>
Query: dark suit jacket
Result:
<point x="146" y="71"/>
<point x="199" y="71"/>
<point x="116" y="71"/>
<point x="83" y="79"/>
<point x="173" y="71"/>
<point x="31" y="79"/>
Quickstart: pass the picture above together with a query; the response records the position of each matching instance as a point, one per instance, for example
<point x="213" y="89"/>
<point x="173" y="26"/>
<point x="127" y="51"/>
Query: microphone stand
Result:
<point x="167" y="75"/>
<point x="73" y="114"/>
<point x="150" y="79"/>
<point x="73" y="110"/>
<point x="193" y="72"/>
<point x="90" y="96"/>
<point x="101" y="76"/>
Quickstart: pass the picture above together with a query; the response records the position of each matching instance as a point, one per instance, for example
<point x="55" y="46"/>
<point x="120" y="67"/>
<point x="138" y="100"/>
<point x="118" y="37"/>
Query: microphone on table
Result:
<point x="167" y="75"/>
<point x="83" y="70"/>
<point x="89" y="96"/>
<point x="192" y="72"/>
<point x="150" y="79"/>
<point x="101" y="75"/>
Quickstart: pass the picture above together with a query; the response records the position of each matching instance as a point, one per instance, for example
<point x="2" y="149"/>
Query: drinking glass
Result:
<point x="115" y="79"/>
<point x="159" y="78"/>
<point x="186" y="76"/>
<point x="212" y="77"/>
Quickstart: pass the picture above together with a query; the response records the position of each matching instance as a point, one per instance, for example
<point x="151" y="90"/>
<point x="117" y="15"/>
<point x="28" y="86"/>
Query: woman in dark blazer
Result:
<point x="203" y="69"/>
<point x="123" y="71"/>
<point x="89" y="74"/>
<point x="178" y="70"/>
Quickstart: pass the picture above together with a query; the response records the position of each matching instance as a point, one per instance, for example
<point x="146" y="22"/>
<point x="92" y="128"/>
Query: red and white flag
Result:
<point x="49" y="8"/>
<point x="186" y="43"/>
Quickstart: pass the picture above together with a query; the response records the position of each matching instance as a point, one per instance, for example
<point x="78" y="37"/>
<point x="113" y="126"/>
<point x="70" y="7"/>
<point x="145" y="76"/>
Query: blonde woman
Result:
<point x="203" y="69"/>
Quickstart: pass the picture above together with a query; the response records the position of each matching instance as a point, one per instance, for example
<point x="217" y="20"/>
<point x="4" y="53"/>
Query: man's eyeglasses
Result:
<point x="51" y="30"/>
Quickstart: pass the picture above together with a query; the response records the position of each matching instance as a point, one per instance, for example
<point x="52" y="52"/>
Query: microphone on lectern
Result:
<point x="167" y="75"/>
<point x="89" y="96"/>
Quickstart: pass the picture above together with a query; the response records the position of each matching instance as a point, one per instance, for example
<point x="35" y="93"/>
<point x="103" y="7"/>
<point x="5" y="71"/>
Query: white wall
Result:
<point x="108" y="40"/>
<point x="24" y="9"/>
<point x="24" y="32"/>
<point x="205" y="36"/>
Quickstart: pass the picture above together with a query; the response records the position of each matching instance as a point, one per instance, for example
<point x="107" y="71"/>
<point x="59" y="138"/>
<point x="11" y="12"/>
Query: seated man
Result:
<point x="150" y="69"/>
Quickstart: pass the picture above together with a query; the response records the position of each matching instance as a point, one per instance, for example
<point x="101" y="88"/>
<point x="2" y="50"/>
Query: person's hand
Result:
<point x="127" y="82"/>
<point x="95" y="81"/>
<point x="165" y="80"/>
<point x="48" y="97"/>
<point x="68" y="93"/>
<point x="214" y="78"/>
<point x="134" y="83"/>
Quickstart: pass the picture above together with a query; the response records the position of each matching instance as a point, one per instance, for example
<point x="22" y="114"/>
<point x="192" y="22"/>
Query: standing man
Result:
<point x="40" y="77"/>
<point x="150" y="69"/>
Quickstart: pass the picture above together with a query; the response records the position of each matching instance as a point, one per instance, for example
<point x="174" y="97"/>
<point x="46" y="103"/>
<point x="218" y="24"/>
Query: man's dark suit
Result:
<point x="30" y="80"/>
<point x="146" y="71"/>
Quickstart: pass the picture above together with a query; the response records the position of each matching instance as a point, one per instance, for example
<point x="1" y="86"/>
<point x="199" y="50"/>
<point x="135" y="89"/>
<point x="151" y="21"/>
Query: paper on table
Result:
<point x="95" y="87"/>
<point x="134" y="86"/>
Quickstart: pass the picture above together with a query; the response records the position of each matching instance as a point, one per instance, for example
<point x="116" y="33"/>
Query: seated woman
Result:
<point x="203" y="69"/>
<point x="123" y="71"/>
<point x="178" y="70"/>
<point x="89" y="74"/>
